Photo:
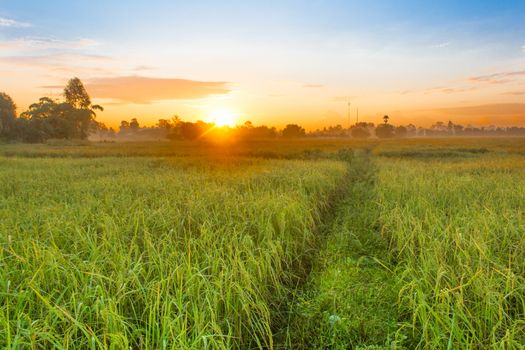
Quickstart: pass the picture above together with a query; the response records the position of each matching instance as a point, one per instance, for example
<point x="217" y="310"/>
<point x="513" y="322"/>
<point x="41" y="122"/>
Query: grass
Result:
<point x="456" y="234"/>
<point x="153" y="253"/>
<point x="350" y="299"/>
<point x="408" y="244"/>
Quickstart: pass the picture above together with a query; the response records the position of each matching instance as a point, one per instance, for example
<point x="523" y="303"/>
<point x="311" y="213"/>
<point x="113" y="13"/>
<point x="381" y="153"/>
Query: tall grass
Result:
<point x="350" y="299"/>
<point x="152" y="253"/>
<point x="457" y="235"/>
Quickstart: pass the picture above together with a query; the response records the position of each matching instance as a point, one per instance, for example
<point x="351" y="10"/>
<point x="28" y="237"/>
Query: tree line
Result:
<point x="74" y="118"/>
<point x="384" y="130"/>
<point x="177" y="129"/>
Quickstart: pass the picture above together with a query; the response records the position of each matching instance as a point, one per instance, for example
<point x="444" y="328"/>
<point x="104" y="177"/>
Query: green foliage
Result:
<point x="410" y="244"/>
<point x="153" y="253"/>
<point x="455" y="228"/>
<point x="76" y="95"/>
<point x="351" y="296"/>
<point x="50" y="119"/>
<point x="72" y="119"/>
<point x="7" y="115"/>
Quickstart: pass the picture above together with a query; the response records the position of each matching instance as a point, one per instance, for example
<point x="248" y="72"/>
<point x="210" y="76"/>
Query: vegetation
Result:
<point x="455" y="227"/>
<point x="298" y="243"/>
<point x="158" y="253"/>
<point x="49" y="119"/>
<point x="74" y="119"/>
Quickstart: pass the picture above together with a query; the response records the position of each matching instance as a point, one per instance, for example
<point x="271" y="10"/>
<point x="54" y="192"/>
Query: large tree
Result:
<point x="77" y="96"/>
<point x="7" y="114"/>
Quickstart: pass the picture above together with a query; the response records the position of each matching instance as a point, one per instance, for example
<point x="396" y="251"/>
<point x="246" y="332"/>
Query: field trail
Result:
<point x="350" y="298"/>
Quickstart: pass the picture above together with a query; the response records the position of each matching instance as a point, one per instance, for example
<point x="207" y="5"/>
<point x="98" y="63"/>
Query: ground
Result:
<point x="312" y="243"/>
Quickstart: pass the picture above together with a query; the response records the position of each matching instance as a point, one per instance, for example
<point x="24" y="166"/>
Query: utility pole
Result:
<point x="357" y="116"/>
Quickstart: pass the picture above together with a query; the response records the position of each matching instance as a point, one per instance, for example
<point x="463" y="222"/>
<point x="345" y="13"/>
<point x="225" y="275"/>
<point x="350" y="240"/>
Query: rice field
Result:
<point x="311" y="244"/>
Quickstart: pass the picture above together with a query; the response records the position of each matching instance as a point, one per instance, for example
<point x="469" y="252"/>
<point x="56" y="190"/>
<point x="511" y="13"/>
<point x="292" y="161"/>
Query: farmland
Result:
<point x="321" y="243"/>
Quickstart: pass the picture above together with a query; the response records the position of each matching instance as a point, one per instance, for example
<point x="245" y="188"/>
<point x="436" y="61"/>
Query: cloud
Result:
<point x="439" y="89"/>
<point x="496" y="109"/>
<point x="312" y="85"/>
<point x="523" y="48"/>
<point x="497" y="78"/>
<point x="7" y="22"/>
<point x="144" y="90"/>
<point x="342" y="98"/>
<point x="514" y="93"/>
<point x="47" y="43"/>
<point x="440" y="45"/>
<point x="143" y="68"/>
<point x="59" y="65"/>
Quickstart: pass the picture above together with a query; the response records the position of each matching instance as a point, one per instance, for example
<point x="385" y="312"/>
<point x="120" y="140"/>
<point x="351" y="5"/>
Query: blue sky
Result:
<point x="277" y="59"/>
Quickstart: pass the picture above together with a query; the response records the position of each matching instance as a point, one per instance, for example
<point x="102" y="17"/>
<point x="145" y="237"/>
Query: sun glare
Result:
<point x="223" y="118"/>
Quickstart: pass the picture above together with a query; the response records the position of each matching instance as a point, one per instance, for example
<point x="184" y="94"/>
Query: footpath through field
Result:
<point x="349" y="299"/>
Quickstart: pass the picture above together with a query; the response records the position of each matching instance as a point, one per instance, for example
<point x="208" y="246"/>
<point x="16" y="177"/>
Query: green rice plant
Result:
<point x="350" y="298"/>
<point x="456" y="237"/>
<point x="154" y="253"/>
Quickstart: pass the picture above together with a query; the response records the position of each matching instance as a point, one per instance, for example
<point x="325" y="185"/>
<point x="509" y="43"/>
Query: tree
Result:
<point x="360" y="131"/>
<point x="7" y="115"/>
<point x="293" y="131"/>
<point x="49" y="119"/>
<point x="124" y="126"/>
<point x="76" y="95"/>
<point x="134" y="124"/>
<point x="191" y="131"/>
<point x="401" y="131"/>
<point x="385" y="131"/>
<point x="164" y="124"/>
<point x="386" y="118"/>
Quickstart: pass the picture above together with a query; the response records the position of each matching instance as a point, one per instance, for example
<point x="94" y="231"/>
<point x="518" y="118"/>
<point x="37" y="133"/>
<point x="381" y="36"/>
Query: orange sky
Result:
<point x="415" y="63"/>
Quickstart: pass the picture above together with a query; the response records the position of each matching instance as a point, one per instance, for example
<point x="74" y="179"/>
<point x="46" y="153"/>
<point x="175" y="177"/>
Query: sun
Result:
<point x="222" y="118"/>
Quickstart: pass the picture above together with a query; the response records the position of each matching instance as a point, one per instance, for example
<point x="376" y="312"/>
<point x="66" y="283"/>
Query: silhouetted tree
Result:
<point x="360" y="131"/>
<point x="134" y="124"/>
<point x="77" y="96"/>
<point x="124" y="126"/>
<point x="385" y="119"/>
<point x="293" y="131"/>
<point x="385" y="131"/>
<point x="192" y="131"/>
<point x="401" y="131"/>
<point x="164" y="124"/>
<point x="7" y="115"/>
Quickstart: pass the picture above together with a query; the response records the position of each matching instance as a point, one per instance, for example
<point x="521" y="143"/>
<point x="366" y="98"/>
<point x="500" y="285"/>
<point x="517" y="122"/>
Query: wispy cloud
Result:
<point x="7" y="22"/>
<point x="60" y="64"/>
<point x="47" y="43"/>
<point x="312" y="85"/>
<point x="440" y="45"/>
<point x="439" y="89"/>
<point x="144" y="90"/>
<point x="143" y="68"/>
<point x="514" y="93"/>
<point x="497" y="109"/>
<point x="497" y="78"/>
<point x="523" y="48"/>
<point x="343" y="98"/>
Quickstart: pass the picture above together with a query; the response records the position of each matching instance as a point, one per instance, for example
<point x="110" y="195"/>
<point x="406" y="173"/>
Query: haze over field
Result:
<point x="273" y="62"/>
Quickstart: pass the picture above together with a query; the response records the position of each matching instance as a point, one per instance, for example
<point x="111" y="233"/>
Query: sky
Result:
<point x="274" y="61"/>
